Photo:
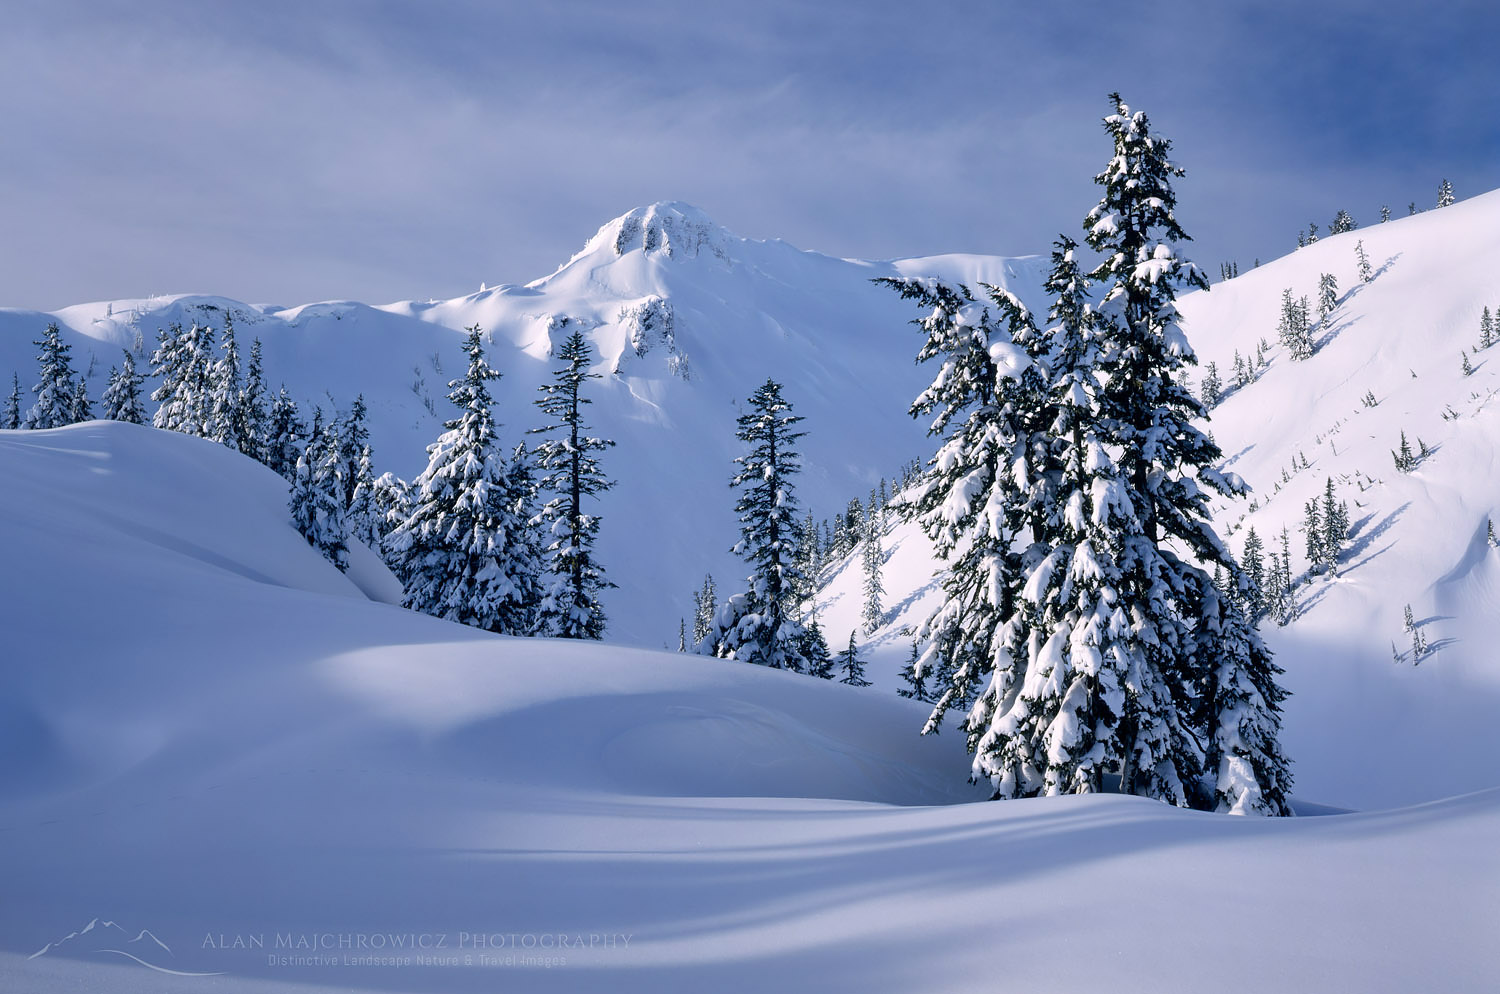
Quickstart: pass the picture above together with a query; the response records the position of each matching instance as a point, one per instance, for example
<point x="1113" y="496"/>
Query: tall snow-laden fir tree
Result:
<point x="467" y="550"/>
<point x="1253" y="563"/>
<point x="1445" y="194"/>
<point x="365" y="516"/>
<point x="122" y="398"/>
<point x="759" y="626"/>
<point x="353" y="442"/>
<point x="1242" y="709"/>
<point x="56" y="392"/>
<point x="1109" y="646"/>
<point x="316" y="501"/>
<point x="1334" y="527"/>
<point x="286" y="434"/>
<point x="250" y="411"/>
<point x="852" y="666"/>
<point x="872" y="560"/>
<point x="10" y="417"/>
<point x="705" y="608"/>
<point x="185" y="364"/>
<point x="966" y="502"/>
<point x="571" y="473"/>
<point x="223" y="420"/>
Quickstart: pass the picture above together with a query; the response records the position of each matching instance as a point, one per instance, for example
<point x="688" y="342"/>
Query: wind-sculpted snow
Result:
<point x="213" y="739"/>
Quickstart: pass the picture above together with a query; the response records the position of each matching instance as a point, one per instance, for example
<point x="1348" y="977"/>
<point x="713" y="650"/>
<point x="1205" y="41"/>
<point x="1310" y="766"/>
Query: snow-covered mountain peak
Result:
<point x="671" y="229"/>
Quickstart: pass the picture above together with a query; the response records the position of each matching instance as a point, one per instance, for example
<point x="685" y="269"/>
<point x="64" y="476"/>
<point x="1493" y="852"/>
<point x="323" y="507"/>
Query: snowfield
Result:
<point x="213" y="735"/>
<point x="228" y="767"/>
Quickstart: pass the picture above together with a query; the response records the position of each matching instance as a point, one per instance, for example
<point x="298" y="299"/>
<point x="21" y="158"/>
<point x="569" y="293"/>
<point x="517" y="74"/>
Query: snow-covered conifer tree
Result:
<point x="1167" y="467"/>
<point x="1242" y="710"/>
<point x="353" y="441"/>
<point x="1212" y="389"/>
<point x="914" y="678"/>
<point x="364" y="516"/>
<point x="184" y="362"/>
<point x="11" y="416"/>
<point x="1334" y="520"/>
<point x="757" y="626"/>
<point x="83" y="408"/>
<point x="852" y="666"/>
<point x="1486" y="329"/>
<point x="1363" y="258"/>
<point x="815" y="651"/>
<point x="1342" y="222"/>
<point x="705" y="609"/>
<point x="571" y="473"/>
<point x="1385" y="213"/>
<point x="286" y="435"/>
<point x="315" y="503"/>
<point x="467" y="550"/>
<point x="56" y="392"/>
<point x="1445" y="194"/>
<point x="1328" y="296"/>
<point x="250" y="412"/>
<point x="968" y="503"/>
<point x="1254" y="566"/>
<point x="223" y="420"/>
<point x="872" y="559"/>
<point x="122" y="398"/>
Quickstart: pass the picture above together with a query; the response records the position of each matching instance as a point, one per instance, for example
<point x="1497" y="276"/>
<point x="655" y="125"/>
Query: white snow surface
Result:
<point x="211" y="738"/>
<point x="210" y="734"/>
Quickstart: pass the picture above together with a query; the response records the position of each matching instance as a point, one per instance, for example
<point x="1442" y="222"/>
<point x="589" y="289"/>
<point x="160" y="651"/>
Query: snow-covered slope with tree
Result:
<point x="1370" y="723"/>
<point x="684" y="319"/>
<point x="227" y="759"/>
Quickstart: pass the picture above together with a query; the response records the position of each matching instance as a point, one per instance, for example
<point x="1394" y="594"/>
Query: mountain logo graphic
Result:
<point x="104" y="937"/>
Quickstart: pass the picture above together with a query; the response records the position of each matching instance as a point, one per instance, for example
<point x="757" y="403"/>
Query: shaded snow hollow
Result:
<point x="212" y="737"/>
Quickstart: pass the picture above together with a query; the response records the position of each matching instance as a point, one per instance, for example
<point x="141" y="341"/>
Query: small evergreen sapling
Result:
<point x="10" y="417"/>
<point x="1211" y="389"/>
<point x="815" y="651"/>
<point x="56" y="393"/>
<point x="1445" y="194"/>
<point x="852" y="666"/>
<point x="122" y="397"/>
<point x="1365" y="273"/>
<point x="872" y="560"/>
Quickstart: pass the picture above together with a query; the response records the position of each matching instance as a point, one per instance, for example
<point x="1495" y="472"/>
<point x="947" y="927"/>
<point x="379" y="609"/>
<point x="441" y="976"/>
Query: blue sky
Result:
<point x="282" y="152"/>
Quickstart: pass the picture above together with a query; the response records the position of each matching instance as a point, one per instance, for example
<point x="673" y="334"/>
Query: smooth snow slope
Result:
<point x="214" y="741"/>
<point x="686" y="320"/>
<point x="1368" y="726"/>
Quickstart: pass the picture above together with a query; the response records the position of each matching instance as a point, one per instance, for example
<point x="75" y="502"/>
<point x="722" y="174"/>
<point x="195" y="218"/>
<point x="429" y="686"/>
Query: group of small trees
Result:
<point x="1069" y="497"/>
<point x="61" y="397"/>
<point x="497" y="539"/>
<point x="469" y="542"/>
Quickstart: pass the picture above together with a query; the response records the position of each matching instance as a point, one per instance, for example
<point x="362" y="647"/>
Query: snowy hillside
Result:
<point x="685" y="318"/>
<point x="222" y="757"/>
<point x="1369" y="725"/>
